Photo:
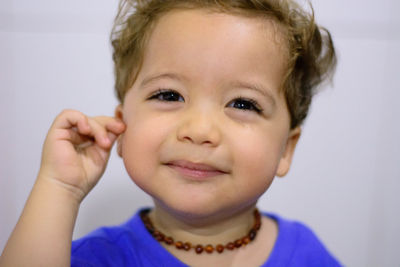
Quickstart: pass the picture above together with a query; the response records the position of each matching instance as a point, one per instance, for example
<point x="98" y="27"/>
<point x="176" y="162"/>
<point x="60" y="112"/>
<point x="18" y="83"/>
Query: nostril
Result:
<point x="200" y="131"/>
<point x="187" y="138"/>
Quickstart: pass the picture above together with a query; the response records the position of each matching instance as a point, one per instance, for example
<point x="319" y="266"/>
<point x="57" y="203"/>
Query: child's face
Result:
<point x="219" y="105"/>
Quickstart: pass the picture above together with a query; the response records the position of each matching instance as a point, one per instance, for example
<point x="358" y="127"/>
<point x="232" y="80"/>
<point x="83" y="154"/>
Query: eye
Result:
<point x="245" y="104"/>
<point x="167" y="95"/>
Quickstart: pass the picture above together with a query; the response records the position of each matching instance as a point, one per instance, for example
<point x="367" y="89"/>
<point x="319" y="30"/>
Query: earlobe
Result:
<point x="118" y="114"/>
<point x="287" y="155"/>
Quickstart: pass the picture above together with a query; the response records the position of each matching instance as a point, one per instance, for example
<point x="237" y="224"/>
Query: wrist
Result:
<point x="66" y="191"/>
<point x="44" y="230"/>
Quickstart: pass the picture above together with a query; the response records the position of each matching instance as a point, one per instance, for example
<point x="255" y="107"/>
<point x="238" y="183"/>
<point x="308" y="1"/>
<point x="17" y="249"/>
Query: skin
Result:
<point x="74" y="157"/>
<point x="213" y="62"/>
<point x="206" y="65"/>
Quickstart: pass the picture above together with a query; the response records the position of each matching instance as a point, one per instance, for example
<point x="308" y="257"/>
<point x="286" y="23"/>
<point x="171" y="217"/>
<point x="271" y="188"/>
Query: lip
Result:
<point x="195" y="171"/>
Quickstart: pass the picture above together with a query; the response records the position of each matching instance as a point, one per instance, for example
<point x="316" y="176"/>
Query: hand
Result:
<point x="76" y="150"/>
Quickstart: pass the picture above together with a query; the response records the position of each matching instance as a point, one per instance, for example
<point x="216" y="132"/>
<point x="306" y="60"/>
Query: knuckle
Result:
<point x="76" y="114"/>
<point x="66" y="111"/>
<point x="101" y="120"/>
<point x="69" y="112"/>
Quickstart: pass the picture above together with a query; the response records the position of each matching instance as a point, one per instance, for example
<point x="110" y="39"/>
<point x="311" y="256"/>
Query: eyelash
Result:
<point x="254" y="106"/>
<point x="164" y="92"/>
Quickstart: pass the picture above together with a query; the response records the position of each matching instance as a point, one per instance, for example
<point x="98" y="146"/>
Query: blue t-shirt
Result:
<point x="130" y="244"/>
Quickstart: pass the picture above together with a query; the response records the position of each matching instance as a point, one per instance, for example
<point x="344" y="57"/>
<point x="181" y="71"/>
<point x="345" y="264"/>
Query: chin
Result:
<point x="200" y="212"/>
<point x="190" y="208"/>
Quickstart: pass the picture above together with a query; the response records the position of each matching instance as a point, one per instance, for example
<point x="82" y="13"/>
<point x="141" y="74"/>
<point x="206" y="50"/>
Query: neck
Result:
<point x="214" y="229"/>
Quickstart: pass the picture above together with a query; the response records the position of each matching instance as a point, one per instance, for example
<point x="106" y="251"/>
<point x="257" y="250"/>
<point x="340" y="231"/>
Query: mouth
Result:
<point x="195" y="171"/>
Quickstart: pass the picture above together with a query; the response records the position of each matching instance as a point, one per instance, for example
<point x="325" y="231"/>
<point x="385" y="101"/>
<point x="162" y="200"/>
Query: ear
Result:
<point x="118" y="114"/>
<point x="287" y="155"/>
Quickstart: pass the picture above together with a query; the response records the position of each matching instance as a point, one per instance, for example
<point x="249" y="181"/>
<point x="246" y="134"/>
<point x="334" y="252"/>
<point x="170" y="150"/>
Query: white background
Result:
<point x="345" y="180"/>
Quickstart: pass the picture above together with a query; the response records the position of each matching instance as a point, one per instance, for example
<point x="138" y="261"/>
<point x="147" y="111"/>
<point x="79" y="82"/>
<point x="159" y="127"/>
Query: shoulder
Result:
<point x="112" y="246"/>
<point x="104" y="244"/>
<point x="298" y="245"/>
<point x="128" y="244"/>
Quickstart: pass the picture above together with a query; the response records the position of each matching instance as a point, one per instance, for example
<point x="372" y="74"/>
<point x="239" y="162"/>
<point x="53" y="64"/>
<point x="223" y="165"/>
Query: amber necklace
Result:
<point x="243" y="241"/>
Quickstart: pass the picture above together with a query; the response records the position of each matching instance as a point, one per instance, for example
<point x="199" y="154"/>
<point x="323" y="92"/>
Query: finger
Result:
<point x="71" y="125"/>
<point x="72" y="118"/>
<point x="99" y="132"/>
<point x="74" y="126"/>
<point x="78" y="128"/>
<point x="111" y="124"/>
<point x="113" y="137"/>
<point x="75" y="138"/>
<point x="117" y="127"/>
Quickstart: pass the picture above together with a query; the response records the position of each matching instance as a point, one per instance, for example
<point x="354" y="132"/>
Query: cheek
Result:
<point x="139" y="145"/>
<point x="258" y="154"/>
<point x="256" y="166"/>
<point x="142" y="145"/>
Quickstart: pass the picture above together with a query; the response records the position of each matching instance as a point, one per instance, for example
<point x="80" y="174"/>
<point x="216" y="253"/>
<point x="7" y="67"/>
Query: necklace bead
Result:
<point x="187" y="246"/>
<point x="179" y="245"/>
<point x="209" y="249"/>
<point x="220" y="248"/>
<point x="199" y="249"/>
<point x="230" y="246"/>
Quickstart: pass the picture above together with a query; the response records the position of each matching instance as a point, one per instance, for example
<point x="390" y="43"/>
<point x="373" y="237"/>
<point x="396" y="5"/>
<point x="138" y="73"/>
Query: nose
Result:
<point x="199" y="127"/>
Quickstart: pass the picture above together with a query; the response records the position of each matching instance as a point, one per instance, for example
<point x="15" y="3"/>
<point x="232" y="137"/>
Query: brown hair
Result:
<point x="312" y="56"/>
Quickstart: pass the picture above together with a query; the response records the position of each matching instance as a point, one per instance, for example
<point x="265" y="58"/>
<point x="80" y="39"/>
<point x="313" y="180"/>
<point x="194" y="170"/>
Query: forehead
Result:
<point x="209" y="44"/>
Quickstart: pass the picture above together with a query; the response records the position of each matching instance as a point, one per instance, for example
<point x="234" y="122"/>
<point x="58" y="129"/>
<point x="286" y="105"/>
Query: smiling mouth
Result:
<point x="194" y="170"/>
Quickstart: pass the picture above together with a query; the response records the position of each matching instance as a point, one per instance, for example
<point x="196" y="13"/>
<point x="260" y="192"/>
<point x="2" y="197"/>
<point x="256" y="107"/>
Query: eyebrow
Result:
<point x="167" y="75"/>
<point x="256" y="87"/>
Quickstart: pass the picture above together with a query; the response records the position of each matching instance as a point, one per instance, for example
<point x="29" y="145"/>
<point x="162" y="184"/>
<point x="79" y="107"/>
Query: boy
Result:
<point x="212" y="95"/>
